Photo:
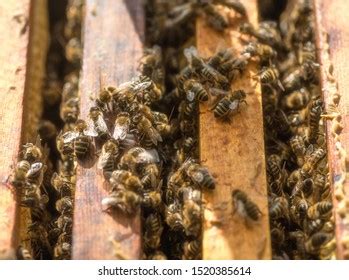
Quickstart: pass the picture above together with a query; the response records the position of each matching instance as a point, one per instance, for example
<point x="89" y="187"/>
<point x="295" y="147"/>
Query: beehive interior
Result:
<point x="169" y="202"/>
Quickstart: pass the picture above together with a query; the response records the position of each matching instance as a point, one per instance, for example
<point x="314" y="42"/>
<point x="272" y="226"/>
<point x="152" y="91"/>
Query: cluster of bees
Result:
<point x="143" y="135"/>
<point x="300" y="206"/>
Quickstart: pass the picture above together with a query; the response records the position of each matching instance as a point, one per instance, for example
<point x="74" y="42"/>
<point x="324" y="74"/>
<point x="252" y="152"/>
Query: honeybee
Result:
<point x="47" y="130"/>
<point x="270" y="76"/>
<point x="205" y="71"/>
<point x="62" y="251"/>
<point x="62" y="184"/>
<point x="264" y="52"/>
<point x="104" y="98"/>
<point x="146" y="128"/>
<point x="297" y="100"/>
<point x="192" y="250"/>
<point x="73" y="50"/>
<point x="122" y="126"/>
<point x="312" y="226"/>
<point x="274" y="166"/>
<point x="69" y="110"/>
<point x="157" y="256"/>
<point x="312" y="158"/>
<point x="173" y="217"/>
<point x="322" y="186"/>
<point x="151" y="64"/>
<point x="320" y="210"/>
<point x="162" y="124"/>
<point x="151" y="200"/>
<point x="298" y="148"/>
<point x="153" y="230"/>
<point x="229" y="104"/>
<point x="192" y="218"/>
<point x="32" y="152"/>
<point x="314" y="243"/>
<point x="145" y="90"/>
<point x="127" y="202"/>
<point x="64" y="205"/>
<point x="299" y="208"/>
<point x="307" y="53"/>
<point x="195" y="91"/>
<point x="137" y="156"/>
<point x="278" y="208"/>
<point x="108" y="158"/>
<point x="19" y="176"/>
<point x="186" y="74"/>
<point x="314" y="119"/>
<point x="150" y="174"/>
<point x="293" y="80"/>
<point x="277" y="234"/>
<point x="82" y="139"/>
<point x="98" y="123"/>
<point x="121" y="179"/>
<point x="245" y="207"/>
<point x="199" y="175"/>
<point x="214" y="18"/>
<point x="23" y="254"/>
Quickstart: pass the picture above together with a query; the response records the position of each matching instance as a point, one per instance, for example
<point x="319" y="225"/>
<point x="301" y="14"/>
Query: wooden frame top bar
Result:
<point x="234" y="153"/>
<point x="113" y="42"/>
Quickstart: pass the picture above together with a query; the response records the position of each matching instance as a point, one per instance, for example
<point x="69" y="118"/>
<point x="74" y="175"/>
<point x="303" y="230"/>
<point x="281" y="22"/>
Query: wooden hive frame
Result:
<point x="113" y="37"/>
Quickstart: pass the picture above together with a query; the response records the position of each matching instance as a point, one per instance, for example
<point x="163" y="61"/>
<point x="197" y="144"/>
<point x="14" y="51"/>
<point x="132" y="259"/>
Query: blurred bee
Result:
<point x="73" y="50"/>
<point x="320" y="210"/>
<point x="299" y="209"/>
<point x="298" y="148"/>
<point x="192" y="218"/>
<point x="136" y="157"/>
<point x="23" y="254"/>
<point x="151" y="64"/>
<point x="121" y="179"/>
<point x="82" y="139"/>
<point x="277" y="234"/>
<point x="186" y="109"/>
<point x="278" y="208"/>
<point x="127" y="202"/>
<point x="264" y="52"/>
<point x="62" y="251"/>
<point x="322" y="187"/>
<point x="104" y="98"/>
<point x="314" y="243"/>
<point x="220" y="57"/>
<point x="98" y="124"/>
<point x="145" y="90"/>
<point x="69" y="110"/>
<point x="245" y="207"/>
<point x="229" y="104"/>
<point x="192" y="250"/>
<point x="307" y="53"/>
<point x="195" y="91"/>
<point x="199" y="175"/>
<point x="236" y="5"/>
<point x="152" y="231"/>
<point x="157" y="256"/>
<point x="282" y="124"/>
<point x="108" y="158"/>
<point x="173" y="217"/>
<point x="312" y="226"/>
<point x="297" y="99"/>
<point x="214" y="18"/>
<point x="47" y="130"/>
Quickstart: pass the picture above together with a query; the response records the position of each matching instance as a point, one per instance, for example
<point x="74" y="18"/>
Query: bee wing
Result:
<point x="190" y="95"/>
<point x="189" y="52"/>
<point x="155" y="136"/>
<point x="69" y="136"/>
<point x="102" y="125"/>
<point x="148" y="156"/>
<point x="102" y="160"/>
<point x="234" y="105"/>
<point x="90" y="130"/>
<point x="142" y="86"/>
<point x="120" y="131"/>
<point x="217" y="91"/>
<point x="34" y="168"/>
<point x="197" y="176"/>
<point x="309" y="151"/>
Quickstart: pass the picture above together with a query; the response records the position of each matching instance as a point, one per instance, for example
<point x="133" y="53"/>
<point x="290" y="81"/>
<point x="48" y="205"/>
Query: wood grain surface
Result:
<point x="332" y="33"/>
<point x="234" y="153"/>
<point x="24" y="40"/>
<point x="113" y="41"/>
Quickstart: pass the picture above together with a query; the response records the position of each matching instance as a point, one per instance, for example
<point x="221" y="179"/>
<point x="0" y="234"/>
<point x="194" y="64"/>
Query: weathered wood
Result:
<point x="113" y="41"/>
<point x="234" y="153"/>
<point x="24" y="35"/>
<point x="332" y="33"/>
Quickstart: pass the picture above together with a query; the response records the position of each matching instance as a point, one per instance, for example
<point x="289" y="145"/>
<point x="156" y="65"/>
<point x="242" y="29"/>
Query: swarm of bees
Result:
<point x="300" y="204"/>
<point x="143" y="135"/>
